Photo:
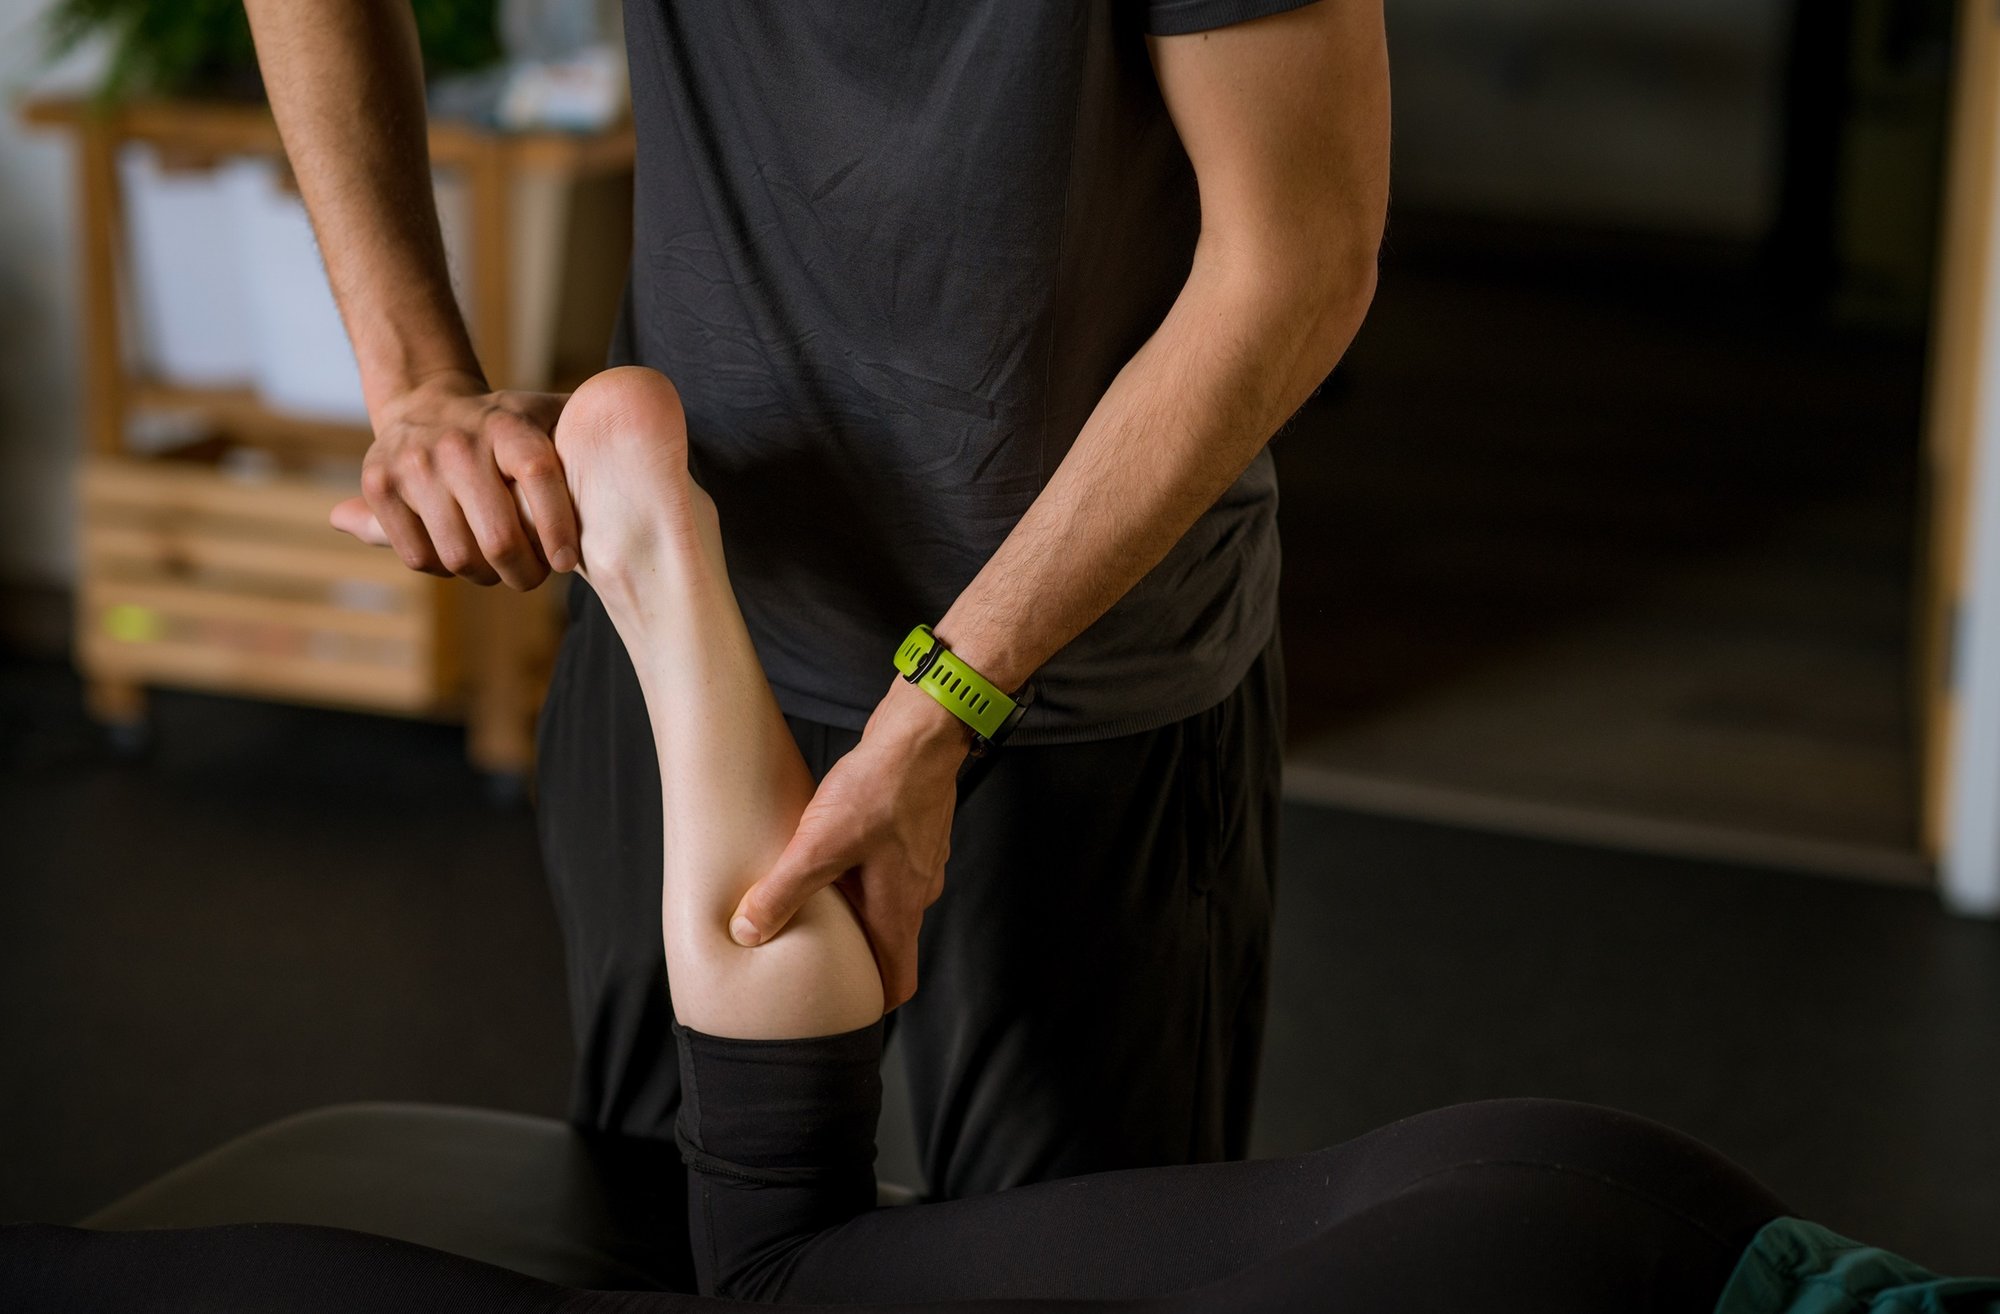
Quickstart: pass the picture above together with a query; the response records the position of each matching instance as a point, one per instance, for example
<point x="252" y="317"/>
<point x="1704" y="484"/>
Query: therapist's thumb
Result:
<point x="808" y="865"/>
<point x="353" y="517"/>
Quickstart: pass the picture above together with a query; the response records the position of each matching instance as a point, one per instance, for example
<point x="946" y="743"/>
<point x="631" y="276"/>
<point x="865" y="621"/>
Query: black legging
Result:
<point x="1507" y="1204"/>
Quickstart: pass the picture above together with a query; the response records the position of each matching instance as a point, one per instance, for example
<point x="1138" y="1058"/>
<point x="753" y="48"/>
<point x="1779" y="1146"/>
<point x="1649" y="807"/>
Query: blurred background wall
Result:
<point x="1633" y="113"/>
<point x="39" y="403"/>
<point x="1637" y="251"/>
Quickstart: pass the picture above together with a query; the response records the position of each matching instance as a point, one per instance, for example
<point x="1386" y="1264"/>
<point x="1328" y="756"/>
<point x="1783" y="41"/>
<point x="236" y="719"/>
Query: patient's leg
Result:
<point x="780" y="1046"/>
<point x="732" y="782"/>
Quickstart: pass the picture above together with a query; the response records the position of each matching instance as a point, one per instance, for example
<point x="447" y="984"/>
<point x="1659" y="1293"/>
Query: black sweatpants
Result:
<point x="1093" y="978"/>
<point x="1530" y="1205"/>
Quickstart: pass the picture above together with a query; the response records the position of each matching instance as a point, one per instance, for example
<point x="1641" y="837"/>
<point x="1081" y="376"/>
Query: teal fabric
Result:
<point x="1796" y="1267"/>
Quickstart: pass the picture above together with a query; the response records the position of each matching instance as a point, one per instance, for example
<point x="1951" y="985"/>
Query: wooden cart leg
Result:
<point x="513" y="638"/>
<point x="499" y="733"/>
<point x="505" y="664"/>
<point x="119" y="708"/>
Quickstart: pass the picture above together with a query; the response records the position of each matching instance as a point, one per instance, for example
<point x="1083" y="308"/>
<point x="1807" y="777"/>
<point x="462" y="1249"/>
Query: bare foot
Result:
<point x="623" y="444"/>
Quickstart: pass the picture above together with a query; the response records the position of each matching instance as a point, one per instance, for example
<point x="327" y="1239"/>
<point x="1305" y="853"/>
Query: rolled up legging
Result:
<point x="779" y="1140"/>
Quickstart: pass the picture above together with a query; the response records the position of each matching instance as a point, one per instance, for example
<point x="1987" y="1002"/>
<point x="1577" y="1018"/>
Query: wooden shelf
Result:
<point x="226" y="128"/>
<point x="303" y="679"/>
<point x="240" y="415"/>
<point x="194" y="577"/>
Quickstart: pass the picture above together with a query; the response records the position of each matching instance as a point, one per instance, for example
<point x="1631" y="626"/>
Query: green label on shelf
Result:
<point x="128" y="622"/>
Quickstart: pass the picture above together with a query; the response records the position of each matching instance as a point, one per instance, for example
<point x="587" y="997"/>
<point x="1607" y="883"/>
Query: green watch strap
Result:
<point x="964" y="692"/>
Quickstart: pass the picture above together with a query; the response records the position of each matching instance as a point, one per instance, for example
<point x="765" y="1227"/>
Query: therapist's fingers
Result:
<point x="398" y="521"/>
<point x="891" y="907"/>
<point x="352" y="516"/>
<point x="456" y="546"/>
<point x="487" y="501"/>
<point x="527" y="457"/>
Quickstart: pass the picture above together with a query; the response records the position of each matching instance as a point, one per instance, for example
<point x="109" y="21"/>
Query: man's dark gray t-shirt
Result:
<point x="892" y="253"/>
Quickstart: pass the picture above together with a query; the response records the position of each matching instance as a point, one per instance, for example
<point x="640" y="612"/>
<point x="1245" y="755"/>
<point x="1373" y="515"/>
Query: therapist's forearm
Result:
<point x="1241" y="350"/>
<point x="345" y="81"/>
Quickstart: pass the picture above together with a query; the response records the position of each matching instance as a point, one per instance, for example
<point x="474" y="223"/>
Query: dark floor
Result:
<point x="285" y="908"/>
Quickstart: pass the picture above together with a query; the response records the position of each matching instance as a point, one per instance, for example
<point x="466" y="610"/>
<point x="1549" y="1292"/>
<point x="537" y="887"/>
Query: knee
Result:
<point x="1533" y="1128"/>
<point x="1637" y="1153"/>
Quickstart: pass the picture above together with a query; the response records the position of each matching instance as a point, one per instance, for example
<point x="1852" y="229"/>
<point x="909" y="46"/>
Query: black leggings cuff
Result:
<point x="779" y="1112"/>
<point x="779" y="1137"/>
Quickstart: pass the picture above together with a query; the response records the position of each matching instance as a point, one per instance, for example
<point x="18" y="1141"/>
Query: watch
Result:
<point x="963" y="692"/>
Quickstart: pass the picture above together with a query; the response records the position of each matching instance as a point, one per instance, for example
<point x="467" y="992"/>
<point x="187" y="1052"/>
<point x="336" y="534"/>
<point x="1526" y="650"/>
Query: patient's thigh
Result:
<point x="1153" y="1231"/>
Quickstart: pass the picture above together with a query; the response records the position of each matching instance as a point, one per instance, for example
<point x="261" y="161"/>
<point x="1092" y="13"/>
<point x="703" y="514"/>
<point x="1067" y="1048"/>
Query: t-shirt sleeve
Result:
<point x="1178" y="17"/>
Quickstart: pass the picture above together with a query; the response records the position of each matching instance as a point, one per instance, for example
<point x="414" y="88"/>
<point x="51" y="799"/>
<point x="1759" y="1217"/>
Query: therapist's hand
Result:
<point x="880" y="825"/>
<point x="441" y="479"/>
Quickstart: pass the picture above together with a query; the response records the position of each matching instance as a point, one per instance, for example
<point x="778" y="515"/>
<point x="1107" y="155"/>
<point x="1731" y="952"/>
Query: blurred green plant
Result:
<point x="202" y="47"/>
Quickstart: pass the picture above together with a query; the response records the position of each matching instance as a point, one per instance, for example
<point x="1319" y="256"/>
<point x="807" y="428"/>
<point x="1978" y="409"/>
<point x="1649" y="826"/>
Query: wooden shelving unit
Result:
<point x="201" y="570"/>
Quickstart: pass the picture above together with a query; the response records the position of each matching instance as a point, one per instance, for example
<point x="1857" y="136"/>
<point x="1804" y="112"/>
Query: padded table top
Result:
<point x="531" y="1194"/>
